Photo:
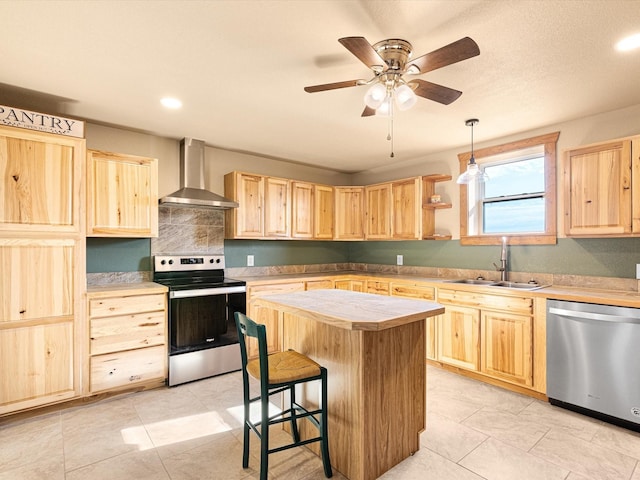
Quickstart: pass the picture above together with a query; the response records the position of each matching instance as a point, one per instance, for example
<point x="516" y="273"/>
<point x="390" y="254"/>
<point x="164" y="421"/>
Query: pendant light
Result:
<point x="473" y="173"/>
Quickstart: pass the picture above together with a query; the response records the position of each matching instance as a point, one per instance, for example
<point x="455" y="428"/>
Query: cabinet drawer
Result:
<point x="115" y="370"/>
<point x="126" y="332"/>
<point x="260" y="290"/>
<point x="413" y="291"/>
<point x="319" y="284"/>
<point x="495" y="302"/>
<point x="105" y="307"/>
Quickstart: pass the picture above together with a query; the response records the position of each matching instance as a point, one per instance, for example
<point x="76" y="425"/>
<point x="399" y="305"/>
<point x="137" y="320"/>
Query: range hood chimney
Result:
<point x="192" y="192"/>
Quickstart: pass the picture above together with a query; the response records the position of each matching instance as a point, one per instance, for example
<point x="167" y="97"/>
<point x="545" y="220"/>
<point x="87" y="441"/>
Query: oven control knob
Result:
<point x="211" y="260"/>
<point x="170" y="262"/>
<point x="162" y="262"/>
<point x="217" y="260"/>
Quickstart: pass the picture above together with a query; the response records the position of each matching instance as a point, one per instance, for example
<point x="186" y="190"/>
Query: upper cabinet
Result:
<point x="122" y="195"/>
<point x="602" y="189"/>
<point x="378" y="206"/>
<point x="349" y="213"/>
<point x="264" y="210"/>
<point x="311" y="211"/>
<point x="40" y="183"/>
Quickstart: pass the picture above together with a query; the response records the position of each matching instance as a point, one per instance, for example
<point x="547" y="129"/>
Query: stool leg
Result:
<point x="264" y="437"/>
<point x="324" y="443"/>
<point x="294" y="419"/>
<point x="245" y="428"/>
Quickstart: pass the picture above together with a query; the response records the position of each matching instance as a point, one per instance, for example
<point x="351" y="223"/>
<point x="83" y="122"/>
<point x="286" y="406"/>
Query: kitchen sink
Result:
<point x="471" y="281"/>
<point x="523" y="286"/>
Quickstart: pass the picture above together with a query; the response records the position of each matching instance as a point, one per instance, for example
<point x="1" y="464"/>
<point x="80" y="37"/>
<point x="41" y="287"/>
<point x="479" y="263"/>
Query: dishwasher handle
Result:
<point x="600" y="317"/>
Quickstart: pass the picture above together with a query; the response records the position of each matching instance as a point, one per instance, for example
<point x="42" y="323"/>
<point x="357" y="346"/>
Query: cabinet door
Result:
<point x="407" y="209"/>
<point x="40" y="181"/>
<point x="378" y="211"/>
<point x="302" y="210"/>
<point x="247" y="220"/>
<point x="37" y="364"/>
<point x="276" y="207"/>
<point x="122" y="195"/>
<point x="458" y="337"/>
<point x="377" y="287"/>
<point x="598" y="190"/>
<point x="349" y="213"/>
<point x="323" y="207"/>
<point x="268" y="316"/>
<point x="121" y="369"/>
<point x="506" y="346"/>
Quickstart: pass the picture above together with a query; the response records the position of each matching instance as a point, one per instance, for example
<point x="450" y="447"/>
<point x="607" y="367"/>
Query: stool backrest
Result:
<point x="247" y="328"/>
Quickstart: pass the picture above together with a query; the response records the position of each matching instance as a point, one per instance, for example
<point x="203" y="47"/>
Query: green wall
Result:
<point x="118" y="255"/>
<point x="616" y="257"/>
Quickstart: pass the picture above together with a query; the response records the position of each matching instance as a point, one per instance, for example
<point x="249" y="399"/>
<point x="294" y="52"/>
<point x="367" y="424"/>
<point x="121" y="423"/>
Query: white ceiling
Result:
<point x="240" y="68"/>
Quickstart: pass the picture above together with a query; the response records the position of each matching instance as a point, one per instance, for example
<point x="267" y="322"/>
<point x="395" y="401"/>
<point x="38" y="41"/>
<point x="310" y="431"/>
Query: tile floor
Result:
<point x="475" y="431"/>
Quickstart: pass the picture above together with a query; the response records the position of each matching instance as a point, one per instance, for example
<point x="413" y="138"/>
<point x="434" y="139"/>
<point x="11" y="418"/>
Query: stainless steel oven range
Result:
<point x="203" y="340"/>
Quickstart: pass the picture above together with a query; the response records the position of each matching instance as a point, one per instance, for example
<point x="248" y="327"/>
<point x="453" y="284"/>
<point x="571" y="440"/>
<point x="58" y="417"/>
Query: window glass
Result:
<point x="514" y="178"/>
<point x="514" y="216"/>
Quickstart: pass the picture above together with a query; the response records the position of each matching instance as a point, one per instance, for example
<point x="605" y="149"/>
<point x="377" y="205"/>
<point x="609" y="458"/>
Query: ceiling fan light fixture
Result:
<point x="384" y="110"/>
<point x="405" y="97"/>
<point x="375" y="96"/>
<point x="473" y="173"/>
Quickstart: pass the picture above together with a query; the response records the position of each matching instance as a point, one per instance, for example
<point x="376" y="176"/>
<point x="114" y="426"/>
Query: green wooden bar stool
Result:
<point x="279" y="372"/>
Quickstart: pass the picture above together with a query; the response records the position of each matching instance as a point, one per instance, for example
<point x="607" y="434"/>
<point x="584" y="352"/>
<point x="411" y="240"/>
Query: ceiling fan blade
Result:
<point x="368" y="111"/>
<point x="365" y="53"/>
<point x="333" y="86"/>
<point x="454" y="52"/>
<point x="435" y="92"/>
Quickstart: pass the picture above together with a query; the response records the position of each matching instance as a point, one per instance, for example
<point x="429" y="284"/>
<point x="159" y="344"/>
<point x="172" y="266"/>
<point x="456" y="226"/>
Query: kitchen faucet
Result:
<point x="503" y="261"/>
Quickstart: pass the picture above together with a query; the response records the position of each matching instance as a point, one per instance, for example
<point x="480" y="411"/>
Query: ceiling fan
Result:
<point x="390" y="61"/>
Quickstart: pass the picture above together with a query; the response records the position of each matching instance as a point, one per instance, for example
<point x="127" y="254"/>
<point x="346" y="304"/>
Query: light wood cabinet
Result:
<point x="407" y="212"/>
<point x="302" y="210"/>
<point x="507" y="346"/>
<point x="350" y="284"/>
<point x="318" y="284"/>
<point x="349" y="213"/>
<point x="419" y="291"/>
<point x="122" y="195"/>
<point x="597" y="189"/>
<point x="42" y="268"/>
<point x="378" y="287"/>
<point x="491" y="334"/>
<point x="264" y="210"/>
<point x="267" y="316"/>
<point x="378" y="211"/>
<point x="323" y="208"/>
<point x="127" y="339"/>
<point x="40" y="182"/>
<point x="459" y="336"/>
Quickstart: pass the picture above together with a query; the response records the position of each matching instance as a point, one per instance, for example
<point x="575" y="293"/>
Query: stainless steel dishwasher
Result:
<point x="593" y="360"/>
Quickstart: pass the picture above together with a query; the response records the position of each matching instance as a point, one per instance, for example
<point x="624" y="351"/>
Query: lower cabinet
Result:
<point x="128" y="339"/>
<point x="378" y="287"/>
<point x="490" y="334"/>
<point x="419" y="291"/>
<point x="350" y="284"/>
<point x="268" y="316"/>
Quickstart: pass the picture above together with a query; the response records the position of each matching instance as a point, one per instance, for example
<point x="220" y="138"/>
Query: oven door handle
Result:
<point x="205" y="292"/>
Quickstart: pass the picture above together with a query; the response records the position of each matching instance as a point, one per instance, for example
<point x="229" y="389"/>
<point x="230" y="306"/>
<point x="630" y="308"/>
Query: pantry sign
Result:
<point x="16" y="117"/>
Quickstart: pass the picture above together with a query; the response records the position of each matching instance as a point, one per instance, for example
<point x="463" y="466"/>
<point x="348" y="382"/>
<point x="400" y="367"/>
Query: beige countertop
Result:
<point x="351" y="310"/>
<point x="138" y="288"/>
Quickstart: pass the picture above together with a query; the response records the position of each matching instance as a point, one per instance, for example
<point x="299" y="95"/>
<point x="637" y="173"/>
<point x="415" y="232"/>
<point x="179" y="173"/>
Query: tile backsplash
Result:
<point x="187" y="230"/>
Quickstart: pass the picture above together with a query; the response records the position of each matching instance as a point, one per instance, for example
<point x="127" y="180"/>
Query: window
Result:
<point x="519" y="198"/>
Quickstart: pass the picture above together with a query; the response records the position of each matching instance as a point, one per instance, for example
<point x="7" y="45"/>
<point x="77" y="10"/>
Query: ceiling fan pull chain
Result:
<point x="390" y="128"/>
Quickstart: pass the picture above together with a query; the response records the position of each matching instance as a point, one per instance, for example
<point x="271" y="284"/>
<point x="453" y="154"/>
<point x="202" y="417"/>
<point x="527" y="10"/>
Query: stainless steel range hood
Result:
<point x="192" y="192"/>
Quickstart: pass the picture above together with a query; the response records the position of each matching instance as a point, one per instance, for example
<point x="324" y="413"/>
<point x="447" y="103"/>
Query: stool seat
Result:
<point x="285" y="367"/>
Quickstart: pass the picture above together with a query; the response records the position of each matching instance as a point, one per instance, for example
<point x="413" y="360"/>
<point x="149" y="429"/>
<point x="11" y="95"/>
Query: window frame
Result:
<point x="549" y="237"/>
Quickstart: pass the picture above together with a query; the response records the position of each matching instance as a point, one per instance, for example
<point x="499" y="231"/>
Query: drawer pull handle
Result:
<point x="133" y="378"/>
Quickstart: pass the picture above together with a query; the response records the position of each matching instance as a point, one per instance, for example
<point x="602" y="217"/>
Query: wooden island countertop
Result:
<point x="373" y="347"/>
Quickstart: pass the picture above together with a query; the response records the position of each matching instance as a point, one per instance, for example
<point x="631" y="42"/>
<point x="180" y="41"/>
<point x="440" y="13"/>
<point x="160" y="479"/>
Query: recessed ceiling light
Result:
<point x="628" y="43"/>
<point x="170" y="102"/>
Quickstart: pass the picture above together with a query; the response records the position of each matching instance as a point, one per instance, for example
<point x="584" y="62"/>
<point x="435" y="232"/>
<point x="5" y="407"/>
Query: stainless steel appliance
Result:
<point x="203" y="339"/>
<point x="593" y="360"/>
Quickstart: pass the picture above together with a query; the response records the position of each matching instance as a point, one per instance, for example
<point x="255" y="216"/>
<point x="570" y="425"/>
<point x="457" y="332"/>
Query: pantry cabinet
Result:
<point x="42" y="268"/>
<point x="122" y="195"/>
<point x="127" y="337"/>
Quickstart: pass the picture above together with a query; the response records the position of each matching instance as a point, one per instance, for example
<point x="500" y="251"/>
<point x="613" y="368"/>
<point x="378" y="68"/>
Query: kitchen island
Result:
<point x="373" y="347"/>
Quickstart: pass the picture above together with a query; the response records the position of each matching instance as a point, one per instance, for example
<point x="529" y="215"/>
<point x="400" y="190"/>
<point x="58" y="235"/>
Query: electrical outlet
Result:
<point x="638" y="271"/>
<point x="249" y="260"/>
<point x="399" y="259"/>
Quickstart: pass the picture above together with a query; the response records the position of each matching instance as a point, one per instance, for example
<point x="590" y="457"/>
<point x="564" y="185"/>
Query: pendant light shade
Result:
<point x="473" y="173"/>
